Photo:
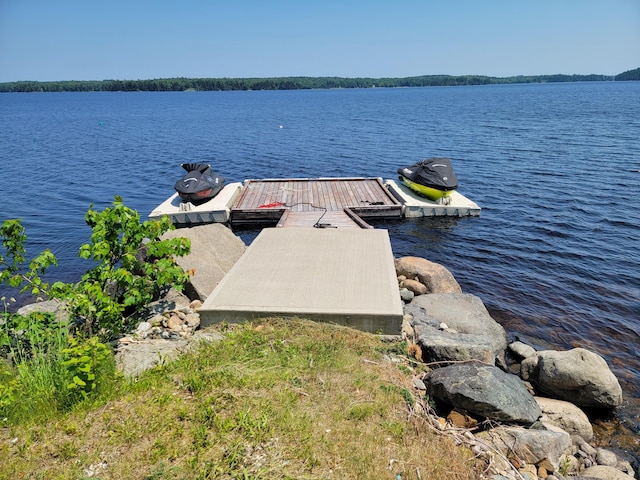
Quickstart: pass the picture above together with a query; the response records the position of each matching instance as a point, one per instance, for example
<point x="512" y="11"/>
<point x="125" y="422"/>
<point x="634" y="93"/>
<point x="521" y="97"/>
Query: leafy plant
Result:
<point x="13" y="267"/>
<point x="9" y="387"/>
<point x="133" y="266"/>
<point x="50" y="369"/>
<point x="84" y="357"/>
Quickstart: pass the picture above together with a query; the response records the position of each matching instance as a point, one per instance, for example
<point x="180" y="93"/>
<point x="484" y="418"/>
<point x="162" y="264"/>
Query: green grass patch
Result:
<point x="273" y="400"/>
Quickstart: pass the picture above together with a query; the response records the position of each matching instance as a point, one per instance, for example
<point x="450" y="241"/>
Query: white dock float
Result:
<point x="216" y="210"/>
<point x="414" y="205"/>
<point x="338" y="275"/>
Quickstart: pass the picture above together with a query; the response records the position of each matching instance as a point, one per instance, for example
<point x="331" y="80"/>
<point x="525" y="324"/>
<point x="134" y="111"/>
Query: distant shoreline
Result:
<point x="294" y="83"/>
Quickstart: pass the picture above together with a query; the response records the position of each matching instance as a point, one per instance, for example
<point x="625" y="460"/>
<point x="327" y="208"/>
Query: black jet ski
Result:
<point x="199" y="184"/>
<point x="433" y="178"/>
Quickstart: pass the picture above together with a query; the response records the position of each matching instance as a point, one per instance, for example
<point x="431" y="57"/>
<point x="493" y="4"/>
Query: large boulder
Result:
<point x="214" y="250"/>
<point x="435" y="277"/>
<point x="528" y="445"/>
<point x="566" y="416"/>
<point x="577" y="376"/>
<point x="47" y="306"/>
<point x="601" y="472"/>
<point x="456" y="326"/>
<point x="483" y="390"/>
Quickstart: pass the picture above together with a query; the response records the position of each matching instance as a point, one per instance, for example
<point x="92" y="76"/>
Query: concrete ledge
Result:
<point x="342" y="276"/>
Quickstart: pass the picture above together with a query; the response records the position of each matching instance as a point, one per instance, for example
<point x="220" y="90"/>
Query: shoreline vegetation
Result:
<point x="180" y="84"/>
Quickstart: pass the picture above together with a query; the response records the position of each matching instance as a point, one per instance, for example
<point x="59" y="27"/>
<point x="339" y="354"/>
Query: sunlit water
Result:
<point x="555" y="168"/>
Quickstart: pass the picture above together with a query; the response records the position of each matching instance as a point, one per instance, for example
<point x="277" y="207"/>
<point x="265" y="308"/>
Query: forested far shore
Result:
<point x="292" y="83"/>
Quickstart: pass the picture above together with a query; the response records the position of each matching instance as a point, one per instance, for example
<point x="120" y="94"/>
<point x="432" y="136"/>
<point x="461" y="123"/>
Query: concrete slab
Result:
<point x="343" y="276"/>
<point x="414" y="205"/>
<point x="216" y="210"/>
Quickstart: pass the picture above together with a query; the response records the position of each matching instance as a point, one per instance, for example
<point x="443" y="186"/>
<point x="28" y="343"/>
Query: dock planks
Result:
<point x="303" y="202"/>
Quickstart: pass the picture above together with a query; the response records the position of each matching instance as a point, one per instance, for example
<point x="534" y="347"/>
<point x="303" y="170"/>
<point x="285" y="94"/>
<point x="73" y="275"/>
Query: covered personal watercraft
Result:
<point x="433" y="178"/>
<point x="199" y="184"/>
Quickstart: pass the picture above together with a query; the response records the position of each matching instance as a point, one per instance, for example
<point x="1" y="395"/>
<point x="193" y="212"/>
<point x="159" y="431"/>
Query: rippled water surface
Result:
<point x="555" y="167"/>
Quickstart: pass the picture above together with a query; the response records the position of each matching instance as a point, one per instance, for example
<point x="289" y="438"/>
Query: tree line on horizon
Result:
<point x="293" y="83"/>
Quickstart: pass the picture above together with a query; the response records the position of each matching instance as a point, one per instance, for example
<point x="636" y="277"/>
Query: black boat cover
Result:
<point x="432" y="172"/>
<point x="199" y="184"/>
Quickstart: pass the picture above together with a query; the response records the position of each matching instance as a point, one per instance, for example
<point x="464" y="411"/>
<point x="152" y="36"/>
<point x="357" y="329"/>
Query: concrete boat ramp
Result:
<point x="316" y="257"/>
<point x="343" y="276"/>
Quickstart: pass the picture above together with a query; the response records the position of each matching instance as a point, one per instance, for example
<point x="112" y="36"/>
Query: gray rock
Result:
<point x="521" y="350"/>
<point x="435" y="277"/>
<point x="602" y="472"/>
<point x="135" y="357"/>
<point x="483" y="390"/>
<point x="406" y="295"/>
<point x="566" y="416"/>
<point x="214" y="250"/>
<point x="606" y="457"/>
<point x="577" y="376"/>
<point x="142" y="328"/>
<point x="530" y="446"/>
<point x="477" y="336"/>
<point x="47" y="306"/>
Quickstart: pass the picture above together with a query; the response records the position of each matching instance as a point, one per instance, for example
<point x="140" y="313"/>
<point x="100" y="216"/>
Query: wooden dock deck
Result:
<point x="309" y="202"/>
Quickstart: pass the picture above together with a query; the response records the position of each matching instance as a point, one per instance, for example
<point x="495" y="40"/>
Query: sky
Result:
<point x="49" y="40"/>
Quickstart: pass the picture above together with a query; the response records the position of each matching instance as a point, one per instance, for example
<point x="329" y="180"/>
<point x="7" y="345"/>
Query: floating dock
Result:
<point x="343" y="276"/>
<point x="313" y="202"/>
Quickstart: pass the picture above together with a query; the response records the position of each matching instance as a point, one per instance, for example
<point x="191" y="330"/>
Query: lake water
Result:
<point x="555" y="168"/>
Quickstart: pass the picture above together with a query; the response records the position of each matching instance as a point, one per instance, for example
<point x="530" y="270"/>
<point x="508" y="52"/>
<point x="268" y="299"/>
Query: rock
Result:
<point x="153" y="312"/>
<point x="192" y="320"/>
<point x="483" y="390"/>
<point x="601" y="472"/>
<point x="606" y="458"/>
<point x="531" y="446"/>
<point x="214" y="250"/>
<point x="435" y="277"/>
<point x="406" y="295"/>
<point x="414" y="286"/>
<point x="577" y="376"/>
<point x="47" y="306"/>
<point x="174" y="322"/>
<point x="461" y="420"/>
<point x="521" y="350"/>
<point x="471" y="333"/>
<point x="143" y="327"/>
<point x="135" y="357"/>
<point x="545" y="467"/>
<point x="566" y="416"/>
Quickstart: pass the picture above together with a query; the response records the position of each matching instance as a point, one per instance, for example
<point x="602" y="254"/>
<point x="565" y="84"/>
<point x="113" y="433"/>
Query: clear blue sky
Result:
<point x="142" y="39"/>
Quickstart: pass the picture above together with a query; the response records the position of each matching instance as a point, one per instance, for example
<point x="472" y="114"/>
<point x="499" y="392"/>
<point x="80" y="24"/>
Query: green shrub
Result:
<point x="85" y="360"/>
<point x="133" y="266"/>
<point x="52" y="370"/>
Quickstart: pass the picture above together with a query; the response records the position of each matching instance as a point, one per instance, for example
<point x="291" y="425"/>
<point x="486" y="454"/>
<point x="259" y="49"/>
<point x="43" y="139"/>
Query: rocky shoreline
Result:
<point x="520" y="410"/>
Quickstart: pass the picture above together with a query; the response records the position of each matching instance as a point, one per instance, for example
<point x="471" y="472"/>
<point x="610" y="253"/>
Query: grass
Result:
<point x="275" y="399"/>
